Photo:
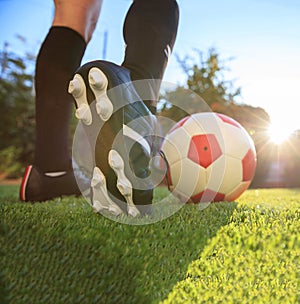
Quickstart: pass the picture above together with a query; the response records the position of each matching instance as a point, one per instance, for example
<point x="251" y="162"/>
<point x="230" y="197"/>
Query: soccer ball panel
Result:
<point x="228" y="120"/>
<point x="236" y="143"/>
<point x="237" y="192"/>
<point x="209" y="122"/>
<point x="225" y="174"/>
<point x="249" y="163"/>
<point x="179" y="124"/>
<point x="233" y="174"/>
<point x="215" y="174"/>
<point x="204" y="149"/>
<point x="193" y="126"/>
<point x="185" y="176"/>
<point x="201" y="174"/>
<point x="176" y="145"/>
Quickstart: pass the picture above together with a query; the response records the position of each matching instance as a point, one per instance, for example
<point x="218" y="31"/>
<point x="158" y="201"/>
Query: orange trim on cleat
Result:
<point x="24" y="183"/>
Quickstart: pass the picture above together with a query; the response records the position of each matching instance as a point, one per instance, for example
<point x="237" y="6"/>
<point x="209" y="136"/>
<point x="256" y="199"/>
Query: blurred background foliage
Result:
<point x="206" y="77"/>
<point x="17" y="118"/>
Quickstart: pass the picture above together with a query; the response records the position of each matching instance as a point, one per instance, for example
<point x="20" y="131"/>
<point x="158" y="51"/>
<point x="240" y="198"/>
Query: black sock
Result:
<point x="150" y="30"/>
<point x="59" y="57"/>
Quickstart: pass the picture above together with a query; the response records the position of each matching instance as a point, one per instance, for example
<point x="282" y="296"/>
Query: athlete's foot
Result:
<point x="38" y="186"/>
<point x="106" y="98"/>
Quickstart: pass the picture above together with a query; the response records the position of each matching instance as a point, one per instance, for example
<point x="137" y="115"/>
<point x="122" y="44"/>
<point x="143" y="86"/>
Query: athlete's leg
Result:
<point x="59" y="57"/>
<point x="150" y="30"/>
<point x="79" y="15"/>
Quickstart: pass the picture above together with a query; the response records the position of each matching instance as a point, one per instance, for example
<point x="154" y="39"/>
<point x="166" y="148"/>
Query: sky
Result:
<point x="262" y="37"/>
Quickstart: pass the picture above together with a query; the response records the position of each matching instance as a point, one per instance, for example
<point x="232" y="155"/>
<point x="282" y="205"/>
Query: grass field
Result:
<point x="242" y="252"/>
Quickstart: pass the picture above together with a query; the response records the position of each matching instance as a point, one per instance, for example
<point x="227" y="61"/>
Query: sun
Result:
<point x="279" y="133"/>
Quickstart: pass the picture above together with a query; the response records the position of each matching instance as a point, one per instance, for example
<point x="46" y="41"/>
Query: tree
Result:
<point x="206" y="80"/>
<point x="17" y="122"/>
<point x="207" y="89"/>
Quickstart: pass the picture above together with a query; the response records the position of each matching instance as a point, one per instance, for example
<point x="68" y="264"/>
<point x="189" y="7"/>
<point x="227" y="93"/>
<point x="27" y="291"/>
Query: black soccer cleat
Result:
<point x="107" y="100"/>
<point x="37" y="186"/>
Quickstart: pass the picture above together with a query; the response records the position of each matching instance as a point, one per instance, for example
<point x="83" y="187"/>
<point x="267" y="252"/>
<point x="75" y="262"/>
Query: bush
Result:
<point x="9" y="162"/>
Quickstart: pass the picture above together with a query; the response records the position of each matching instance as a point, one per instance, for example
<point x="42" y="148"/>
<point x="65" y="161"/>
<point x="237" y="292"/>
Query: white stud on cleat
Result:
<point x="101" y="199"/>
<point x="78" y="90"/>
<point x="83" y="113"/>
<point x="98" y="83"/>
<point x="123" y="184"/>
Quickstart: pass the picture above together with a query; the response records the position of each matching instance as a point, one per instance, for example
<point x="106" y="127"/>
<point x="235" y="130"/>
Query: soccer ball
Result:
<point x="210" y="158"/>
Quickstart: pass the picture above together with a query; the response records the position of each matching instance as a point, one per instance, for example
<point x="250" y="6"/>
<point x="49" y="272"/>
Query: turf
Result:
<point x="242" y="252"/>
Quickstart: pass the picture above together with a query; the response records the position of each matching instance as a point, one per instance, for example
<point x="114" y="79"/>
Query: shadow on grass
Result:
<point x="60" y="252"/>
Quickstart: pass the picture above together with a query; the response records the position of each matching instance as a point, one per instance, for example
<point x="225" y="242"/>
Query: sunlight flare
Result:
<point x="279" y="133"/>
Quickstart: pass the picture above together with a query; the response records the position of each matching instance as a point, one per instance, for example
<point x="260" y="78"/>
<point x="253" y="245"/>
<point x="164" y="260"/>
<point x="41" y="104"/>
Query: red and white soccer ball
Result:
<point x="210" y="156"/>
